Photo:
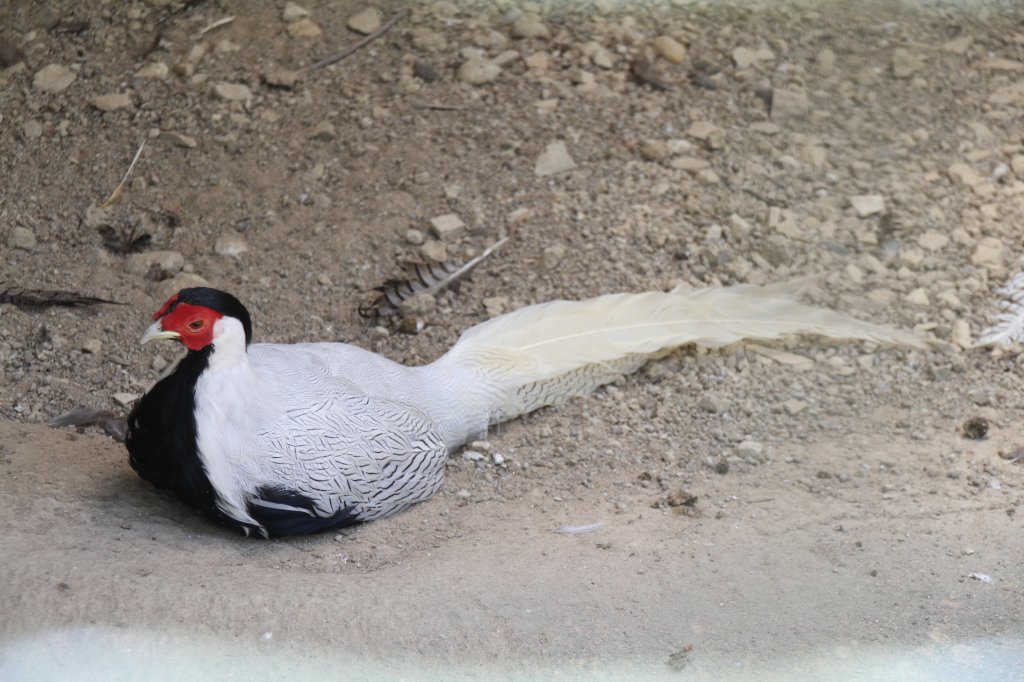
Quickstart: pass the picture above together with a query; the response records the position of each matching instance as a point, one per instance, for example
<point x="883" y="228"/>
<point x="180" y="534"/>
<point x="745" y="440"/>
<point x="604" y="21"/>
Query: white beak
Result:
<point x="156" y="331"/>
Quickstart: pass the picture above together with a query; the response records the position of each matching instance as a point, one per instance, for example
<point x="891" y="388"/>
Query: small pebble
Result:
<point x="293" y="12"/>
<point x="232" y="92"/>
<point x="22" y="238"/>
<point x="669" y="48"/>
<point x="447" y="227"/>
<point x="53" y="78"/>
<point x="125" y="399"/>
<point x="304" y="29"/>
<point x="365" y="22"/>
<point x="478" y="71"/>
<point x="554" y="159"/>
<point x="231" y="245"/>
<point x="112" y="102"/>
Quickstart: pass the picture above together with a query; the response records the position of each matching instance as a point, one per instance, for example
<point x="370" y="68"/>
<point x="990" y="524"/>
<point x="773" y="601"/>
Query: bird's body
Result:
<point x="288" y="439"/>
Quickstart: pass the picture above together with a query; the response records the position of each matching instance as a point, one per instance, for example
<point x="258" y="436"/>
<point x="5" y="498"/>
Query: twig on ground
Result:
<point x="115" y="195"/>
<point x="338" y="56"/>
<point x="439" y="106"/>
<point x="217" y="24"/>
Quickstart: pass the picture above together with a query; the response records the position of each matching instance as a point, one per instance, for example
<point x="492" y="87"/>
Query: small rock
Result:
<point x="478" y="71"/>
<point x="904" y="63"/>
<point x="281" y="78"/>
<point x="158" y="265"/>
<point x="434" y="251"/>
<point x="530" y="26"/>
<point x="598" y="55"/>
<point x="789" y="104"/>
<point x="125" y="399"/>
<point x="744" y="57"/>
<point x="112" y="102"/>
<point x="495" y="305"/>
<point x="159" y="363"/>
<point x="183" y="280"/>
<point x="867" y="204"/>
<point x="958" y="45"/>
<point x="932" y="240"/>
<point x="232" y="92"/>
<point x="414" y="237"/>
<point x="447" y="226"/>
<point x="990" y="251"/>
<point x="654" y="150"/>
<point x="96" y="217"/>
<point x="178" y="140"/>
<point x="304" y="29"/>
<point x="553" y="160"/>
<point x="94" y="346"/>
<point x="498" y="458"/>
<point x="963" y="174"/>
<point x="322" y="132"/>
<point x="366" y="22"/>
<point x="293" y="12"/>
<point x="708" y="177"/>
<point x="1017" y="164"/>
<point x="32" y="130"/>
<point x="420" y="305"/>
<point x="155" y="70"/>
<point x="1008" y="95"/>
<point x="825" y="62"/>
<point x="22" y="238"/>
<point x="537" y="61"/>
<point x="689" y="164"/>
<point x="427" y="40"/>
<point x="918" y="297"/>
<point x="960" y="335"/>
<point x="412" y="326"/>
<point x="669" y="49"/>
<point x="231" y="245"/>
<point x="710" y="134"/>
<point x="713" y="404"/>
<point x="793" y="406"/>
<point x="53" y="78"/>
<point x="765" y="128"/>
<point x="472" y="455"/>
<point x="196" y="54"/>
<point x="552" y="256"/>
<point x="750" y="449"/>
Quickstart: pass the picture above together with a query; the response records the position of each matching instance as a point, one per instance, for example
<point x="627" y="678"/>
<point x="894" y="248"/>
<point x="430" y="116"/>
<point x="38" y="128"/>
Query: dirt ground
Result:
<point x="807" y="511"/>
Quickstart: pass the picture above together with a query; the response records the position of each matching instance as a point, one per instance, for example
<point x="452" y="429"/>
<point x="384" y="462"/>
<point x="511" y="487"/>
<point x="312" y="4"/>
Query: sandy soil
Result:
<point x="809" y="511"/>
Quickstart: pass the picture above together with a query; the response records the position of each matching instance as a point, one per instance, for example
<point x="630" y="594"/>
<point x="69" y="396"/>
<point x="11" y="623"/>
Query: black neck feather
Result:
<point x="161" y="440"/>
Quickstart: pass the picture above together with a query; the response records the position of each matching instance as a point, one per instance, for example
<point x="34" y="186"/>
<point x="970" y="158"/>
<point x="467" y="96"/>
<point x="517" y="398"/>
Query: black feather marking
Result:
<point x="161" y="439"/>
<point x="48" y="297"/>
<point x="422" y="278"/>
<point x="295" y="513"/>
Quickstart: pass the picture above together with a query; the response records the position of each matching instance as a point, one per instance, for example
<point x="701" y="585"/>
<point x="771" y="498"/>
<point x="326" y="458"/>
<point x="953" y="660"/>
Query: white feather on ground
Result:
<point x="1008" y="326"/>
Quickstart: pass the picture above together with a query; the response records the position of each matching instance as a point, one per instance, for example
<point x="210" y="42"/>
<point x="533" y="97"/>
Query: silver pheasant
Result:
<point x="288" y="439"/>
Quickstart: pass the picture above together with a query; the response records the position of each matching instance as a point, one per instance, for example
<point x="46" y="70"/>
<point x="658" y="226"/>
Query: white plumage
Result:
<point x="325" y="434"/>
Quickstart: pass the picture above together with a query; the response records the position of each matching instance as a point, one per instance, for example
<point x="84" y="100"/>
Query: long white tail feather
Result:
<point x="547" y="353"/>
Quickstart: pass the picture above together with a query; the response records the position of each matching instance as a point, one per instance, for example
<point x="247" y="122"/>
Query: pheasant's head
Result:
<point x="200" y="317"/>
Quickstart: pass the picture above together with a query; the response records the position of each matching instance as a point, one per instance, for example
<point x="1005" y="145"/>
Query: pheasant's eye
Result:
<point x="195" y="325"/>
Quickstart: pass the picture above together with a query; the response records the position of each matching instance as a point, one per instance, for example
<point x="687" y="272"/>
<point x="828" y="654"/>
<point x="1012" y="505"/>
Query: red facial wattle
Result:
<point x="193" y="323"/>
